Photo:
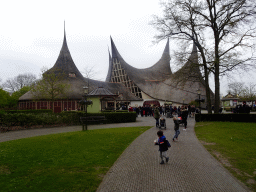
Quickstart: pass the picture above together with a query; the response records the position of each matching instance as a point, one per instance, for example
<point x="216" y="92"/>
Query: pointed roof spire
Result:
<point x="109" y="54"/>
<point x="194" y="50"/>
<point x="64" y="29"/>
<point x="166" y="50"/>
<point x="64" y="40"/>
<point x="115" y="53"/>
<point x="65" y="62"/>
<point x="108" y="78"/>
<point x="194" y="56"/>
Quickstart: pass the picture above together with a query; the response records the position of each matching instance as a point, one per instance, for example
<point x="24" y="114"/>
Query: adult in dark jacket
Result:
<point x="157" y="116"/>
<point x="184" y="117"/>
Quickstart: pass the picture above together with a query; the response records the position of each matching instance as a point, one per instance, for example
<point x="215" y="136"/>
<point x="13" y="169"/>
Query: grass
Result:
<point x="75" y="161"/>
<point x="234" y="145"/>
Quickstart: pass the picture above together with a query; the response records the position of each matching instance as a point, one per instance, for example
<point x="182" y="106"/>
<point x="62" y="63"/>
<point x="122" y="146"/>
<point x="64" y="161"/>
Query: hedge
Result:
<point x="122" y="111"/>
<point x="30" y="111"/>
<point x="65" y="118"/>
<point x="232" y="117"/>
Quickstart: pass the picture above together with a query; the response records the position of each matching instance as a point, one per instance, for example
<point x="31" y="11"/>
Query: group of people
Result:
<point x="147" y="110"/>
<point x="179" y="118"/>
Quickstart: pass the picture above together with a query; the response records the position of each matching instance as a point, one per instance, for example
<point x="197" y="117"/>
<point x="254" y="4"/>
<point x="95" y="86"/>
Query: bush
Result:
<point x="120" y="117"/>
<point x="232" y="117"/>
<point x="30" y="119"/>
<point x="31" y="111"/>
<point x="123" y="111"/>
<point x="66" y="117"/>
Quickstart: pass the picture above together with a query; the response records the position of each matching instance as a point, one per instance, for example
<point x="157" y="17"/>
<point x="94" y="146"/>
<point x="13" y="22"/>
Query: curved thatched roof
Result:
<point x="160" y="71"/>
<point x="65" y="65"/>
<point x="160" y="83"/>
<point x="157" y="82"/>
<point x="108" y="78"/>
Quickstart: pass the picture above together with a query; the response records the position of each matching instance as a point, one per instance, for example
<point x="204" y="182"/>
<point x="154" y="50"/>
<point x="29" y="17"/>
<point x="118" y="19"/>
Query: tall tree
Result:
<point x="14" y="84"/>
<point x="236" y="88"/>
<point x="219" y="29"/>
<point x="4" y="99"/>
<point x="248" y="93"/>
<point x="53" y="85"/>
<point x="17" y="94"/>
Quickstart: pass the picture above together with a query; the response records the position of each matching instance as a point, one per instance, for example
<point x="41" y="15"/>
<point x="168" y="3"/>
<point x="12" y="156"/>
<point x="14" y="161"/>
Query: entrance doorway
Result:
<point x="149" y="103"/>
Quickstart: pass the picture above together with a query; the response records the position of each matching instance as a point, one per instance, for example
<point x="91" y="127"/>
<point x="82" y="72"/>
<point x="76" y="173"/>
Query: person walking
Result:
<point x="176" y="128"/>
<point x="184" y="117"/>
<point x="163" y="146"/>
<point x="193" y="110"/>
<point x="156" y="116"/>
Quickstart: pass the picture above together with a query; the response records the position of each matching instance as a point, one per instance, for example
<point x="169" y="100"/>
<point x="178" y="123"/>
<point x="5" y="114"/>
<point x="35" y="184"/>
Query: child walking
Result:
<point x="163" y="146"/>
<point x="176" y="128"/>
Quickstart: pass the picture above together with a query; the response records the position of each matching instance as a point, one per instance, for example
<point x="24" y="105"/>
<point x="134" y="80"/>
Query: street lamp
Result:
<point x="183" y="102"/>
<point x="84" y="102"/>
<point x="199" y="100"/>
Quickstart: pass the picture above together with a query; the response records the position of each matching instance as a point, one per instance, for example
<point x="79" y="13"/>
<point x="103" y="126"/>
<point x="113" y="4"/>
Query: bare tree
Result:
<point x="53" y="85"/>
<point x="223" y="31"/>
<point x="236" y="88"/>
<point x="89" y="72"/>
<point x="14" y="84"/>
<point x="248" y="93"/>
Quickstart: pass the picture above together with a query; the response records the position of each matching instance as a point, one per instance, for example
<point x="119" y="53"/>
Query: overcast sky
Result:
<point x="32" y="32"/>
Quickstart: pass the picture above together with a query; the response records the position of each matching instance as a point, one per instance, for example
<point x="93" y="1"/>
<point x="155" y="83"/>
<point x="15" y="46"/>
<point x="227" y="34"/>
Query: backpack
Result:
<point x="167" y="143"/>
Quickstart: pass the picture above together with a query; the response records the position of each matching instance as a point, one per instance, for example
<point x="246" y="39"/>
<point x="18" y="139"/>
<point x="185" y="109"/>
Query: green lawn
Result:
<point x="234" y="145"/>
<point x="75" y="161"/>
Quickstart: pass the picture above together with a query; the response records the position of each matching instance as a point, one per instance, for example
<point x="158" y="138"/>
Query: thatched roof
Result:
<point x="159" y="82"/>
<point x="160" y="71"/>
<point x="65" y="65"/>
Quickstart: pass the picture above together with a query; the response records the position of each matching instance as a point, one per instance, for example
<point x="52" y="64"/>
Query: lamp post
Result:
<point x="199" y="100"/>
<point x="84" y="102"/>
<point x="183" y="102"/>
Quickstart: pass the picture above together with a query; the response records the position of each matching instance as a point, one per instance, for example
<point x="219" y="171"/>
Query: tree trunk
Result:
<point x="216" y="77"/>
<point x="208" y="92"/>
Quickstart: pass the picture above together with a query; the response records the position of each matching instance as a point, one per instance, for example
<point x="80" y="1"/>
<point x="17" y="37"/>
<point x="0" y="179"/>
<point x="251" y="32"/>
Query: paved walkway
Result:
<point x="190" y="168"/>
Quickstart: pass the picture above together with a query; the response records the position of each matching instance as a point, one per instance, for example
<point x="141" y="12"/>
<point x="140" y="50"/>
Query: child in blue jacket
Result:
<point x="163" y="146"/>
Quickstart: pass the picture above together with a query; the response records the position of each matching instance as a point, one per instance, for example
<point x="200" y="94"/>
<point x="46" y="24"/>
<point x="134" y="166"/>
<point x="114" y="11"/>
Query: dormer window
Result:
<point x="72" y="74"/>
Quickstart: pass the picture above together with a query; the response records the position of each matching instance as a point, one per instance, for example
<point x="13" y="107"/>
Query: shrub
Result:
<point x="31" y="111"/>
<point x="120" y="117"/>
<point x="66" y="117"/>
<point x="232" y="117"/>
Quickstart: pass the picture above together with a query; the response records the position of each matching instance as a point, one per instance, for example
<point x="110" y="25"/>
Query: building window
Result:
<point x="72" y="75"/>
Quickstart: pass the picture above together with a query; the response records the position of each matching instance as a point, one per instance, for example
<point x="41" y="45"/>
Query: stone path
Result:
<point x="190" y="168"/>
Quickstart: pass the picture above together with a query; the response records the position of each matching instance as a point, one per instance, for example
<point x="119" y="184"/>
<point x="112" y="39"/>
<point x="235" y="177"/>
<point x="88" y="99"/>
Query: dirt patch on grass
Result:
<point x="251" y="181"/>
<point x="99" y="167"/>
<point x="222" y="159"/>
<point x="203" y="125"/>
<point x="205" y="143"/>
<point x="4" y="170"/>
<point x="101" y="176"/>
